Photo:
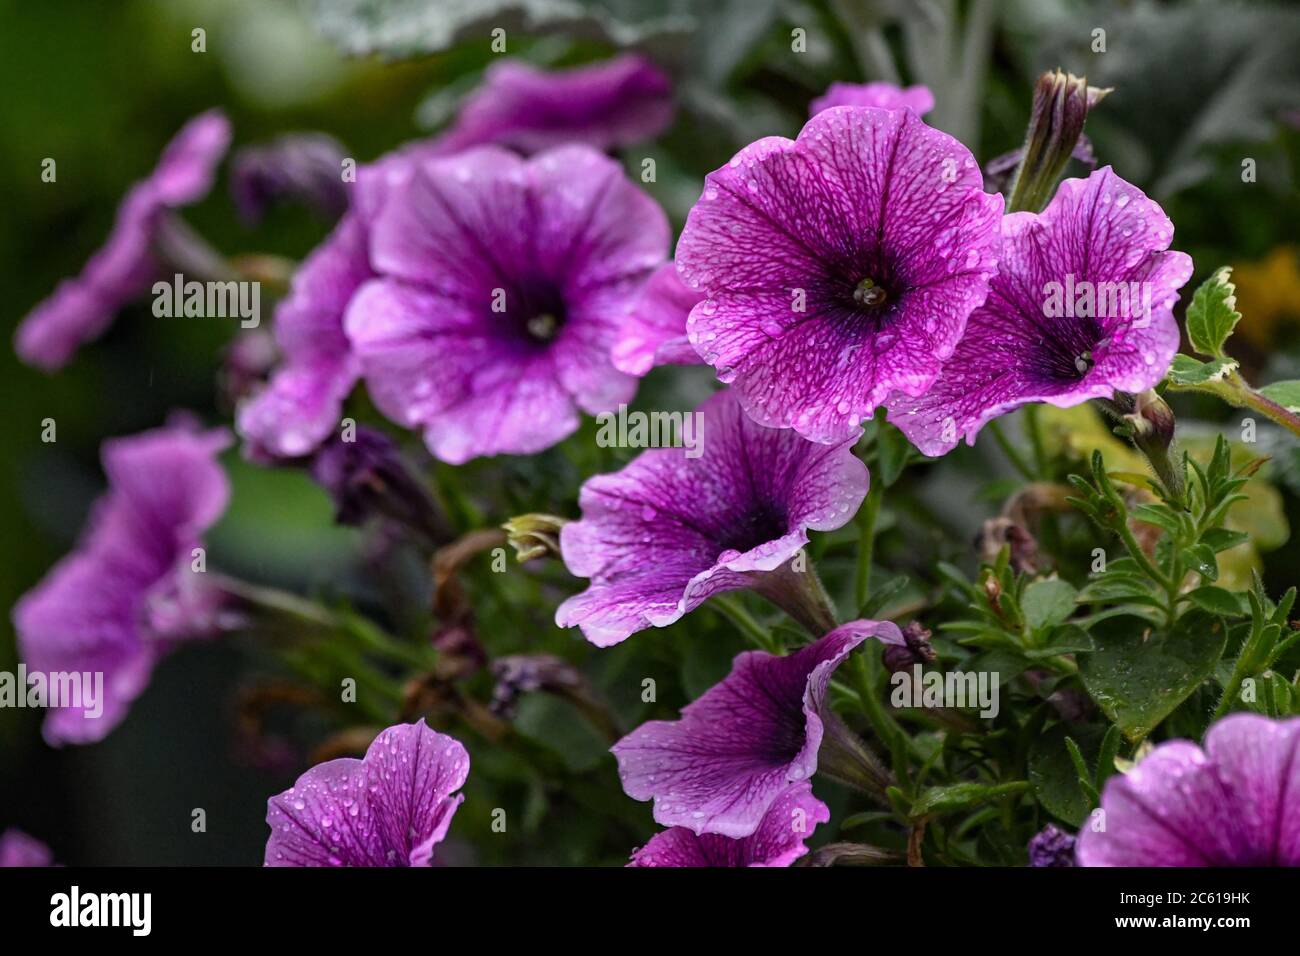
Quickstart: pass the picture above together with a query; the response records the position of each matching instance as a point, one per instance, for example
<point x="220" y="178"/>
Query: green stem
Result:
<point x="866" y="543"/>
<point x="885" y="726"/>
<point x="731" y="609"/>
<point x="1034" y="426"/>
<point x="1013" y="454"/>
<point x="1236" y="391"/>
<point x="868" y="41"/>
<point x="1169" y="586"/>
<point x="1230" y="690"/>
<point x="366" y="632"/>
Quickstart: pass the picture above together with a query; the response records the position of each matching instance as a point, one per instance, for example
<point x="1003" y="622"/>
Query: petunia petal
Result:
<point x="678" y="525"/>
<point x="778" y="840"/>
<point x="738" y="747"/>
<point x="389" y="809"/>
<point x="1099" y="236"/>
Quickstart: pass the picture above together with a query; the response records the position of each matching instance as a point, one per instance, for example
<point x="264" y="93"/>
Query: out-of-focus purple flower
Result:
<point x="296" y="167"/>
<point x="19" y="849"/>
<point x="838" y="267"/>
<point x="778" y="839"/>
<point x="304" y="398"/>
<point x="502" y="284"/>
<point x="604" y="105"/>
<point x="1081" y="307"/>
<point x="676" y="526"/>
<point x="518" y="674"/>
<point x="367" y="476"/>
<point x="302" y="401"/>
<point x="133" y="587"/>
<point x="1232" y="804"/>
<point x="125" y="267"/>
<point x="390" y="808"/>
<point x="1051" y="847"/>
<point x="738" y="747"/>
<point x="654" y="332"/>
<point x="885" y="96"/>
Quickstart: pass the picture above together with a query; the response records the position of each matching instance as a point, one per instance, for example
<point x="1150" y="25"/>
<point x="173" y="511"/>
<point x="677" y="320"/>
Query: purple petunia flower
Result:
<point x="738" y="747"/>
<point x="654" y="332"/>
<point x="389" y="809"/>
<point x="19" y="849"/>
<point x="132" y="588"/>
<point x="303" y="399"/>
<point x="1235" y="803"/>
<point x="603" y="105"/>
<point x="1081" y="307"/>
<point x="502" y="285"/>
<point x="676" y="526"/>
<point x="777" y="841"/>
<point x="885" y="96"/>
<point x="125" y="267"/>
<point x="838" y="267"/>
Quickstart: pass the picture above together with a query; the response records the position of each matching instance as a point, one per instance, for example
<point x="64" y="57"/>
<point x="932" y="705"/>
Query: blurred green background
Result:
<point x="101" y="86"/>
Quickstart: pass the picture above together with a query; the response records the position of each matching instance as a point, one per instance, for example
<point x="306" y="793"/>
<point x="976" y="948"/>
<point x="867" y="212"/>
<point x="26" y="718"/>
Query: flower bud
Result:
<point x="915" y="649"/>
<point x="1061" y="104"/>
<point x="533" y="535"/>
<point x="367" y="477"/>
<point x="530" y="673"/>
<point x="1151" y="426"/>
<point x="1003" y="531"/>
<point x="1051" y="847"/>
<point x="298" y="167"/>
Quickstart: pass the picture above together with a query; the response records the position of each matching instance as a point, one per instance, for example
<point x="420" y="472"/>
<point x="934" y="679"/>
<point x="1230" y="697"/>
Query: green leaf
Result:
<point x="1159" y="515"/>
<point x="1048" y="603"/>
<point x="1106" y="757"/>
<point x="959" y="796"/>
<point x="1005" y="663"/>
<point x="1117" y="588"/>
<point x="402" y="28"/>
<point x="1286" y="394"/>
<point x="1221" y="539"/>
<point x="559" y="725"/>
<point x="1054" y="775"/>
<point x="1201" y="558"/>
<point x="1187" y="372"/>
<point x="1138" y="675"/>
<point x="1070" y="639"/>
<point x="1212" y="314"/>
<point x="865" y="818"/>
<point x="882" y="596"/>
<point x="1216" y="601"/>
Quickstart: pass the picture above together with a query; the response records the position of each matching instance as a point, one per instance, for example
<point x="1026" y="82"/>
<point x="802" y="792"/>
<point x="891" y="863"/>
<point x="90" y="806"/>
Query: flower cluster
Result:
<point x="491" y="285"/>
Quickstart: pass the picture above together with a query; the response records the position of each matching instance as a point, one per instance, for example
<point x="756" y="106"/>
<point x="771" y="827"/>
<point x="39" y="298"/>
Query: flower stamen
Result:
<point x="869" y="294"/>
